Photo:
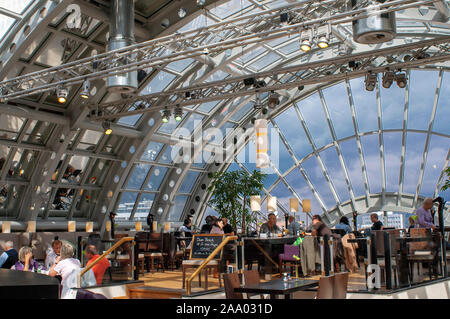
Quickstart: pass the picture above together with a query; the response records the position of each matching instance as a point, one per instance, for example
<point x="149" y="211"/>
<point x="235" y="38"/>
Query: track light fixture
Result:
<point x="306" y="40"/>
<point x="62" y="93"/>
<point x="107" y="127"/>
<point x="388" y="78"/>
<point x="370" y="81"/>
<point x="249" y="82"/>
<point x="85" y="89"/>
<point x="323" y="36"/>
<point x="178" y="114"/>
<point x="285" y="18"/>
<point x="166" y="115"/>
<point x="273" y="99"/>
<point x="201" y="3"/>
<point x="182" y="13"/>
<point x="400" y="79"/>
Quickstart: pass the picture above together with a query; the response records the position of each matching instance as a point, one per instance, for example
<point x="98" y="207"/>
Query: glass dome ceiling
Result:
<point x="345" y="148"/>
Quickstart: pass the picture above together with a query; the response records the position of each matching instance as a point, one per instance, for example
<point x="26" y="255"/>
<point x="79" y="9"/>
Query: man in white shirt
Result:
<point x="53" y="253"/>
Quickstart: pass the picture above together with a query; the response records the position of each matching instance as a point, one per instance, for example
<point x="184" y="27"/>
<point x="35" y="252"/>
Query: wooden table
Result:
<point x="279" y="287"/>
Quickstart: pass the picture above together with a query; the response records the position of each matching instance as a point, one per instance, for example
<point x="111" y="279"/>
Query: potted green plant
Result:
<point x="231" y="192"/>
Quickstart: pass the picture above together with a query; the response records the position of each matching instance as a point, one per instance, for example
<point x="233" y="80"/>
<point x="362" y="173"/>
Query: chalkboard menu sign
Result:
<point x="204" y="245"/>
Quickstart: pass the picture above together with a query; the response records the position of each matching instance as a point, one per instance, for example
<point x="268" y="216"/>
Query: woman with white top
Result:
<point x="65" y="264"/>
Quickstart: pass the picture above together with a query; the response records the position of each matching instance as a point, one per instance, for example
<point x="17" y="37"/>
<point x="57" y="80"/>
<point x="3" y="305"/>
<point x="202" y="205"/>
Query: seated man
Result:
<point x="186" y="228"/>
<point x="9" y="256"/>
<point x="100" y="268"/>
<point x="227" y="228"/>
<point x="377" y="225"/>
<point x="293" y="226"/>
<point x="270" y="226"/>
<point x="53" y="253"/>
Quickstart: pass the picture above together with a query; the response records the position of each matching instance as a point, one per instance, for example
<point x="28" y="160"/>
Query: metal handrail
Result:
<point x="106" y="253"/>
<point x="207" y="260"/>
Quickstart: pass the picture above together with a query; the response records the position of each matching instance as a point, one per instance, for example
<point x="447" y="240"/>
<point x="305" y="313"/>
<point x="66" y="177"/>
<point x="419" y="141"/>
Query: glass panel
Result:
<point x="265" y="61"/>
<point x="441" y="124"/>
<point x="257" y="50"/>
<point x="170" y="126"/>
<point x="188" y="182"/>
<point x="421" y="98"/>
<point x="89" y="140"/>
<point x="10" y="126"/>
<point x="207" y="107"/>
<point x="393" y="148"/>
<point x="312" y="111"/>
<point x="278" y="153"/>
<point x="371" y="152"/>
<point x="437" y="153"/>
<point x="216" y="76"/>
<point x="415" y="143"/>
<point x="5" y="24"/>
<point x="76" y="166"/>
<point x="349" y="151"/>
<point x="365" y="106"/>
<point x="54" y="54"/>
<point x="177" y="209"/>
<point x="138" y="176"/>
<point x="225" y="10"/>
<point x="152" y="151"/>
<point x="294" y="133"/>
<point x="158" y="84"/>
<point x="242" y="112"/>
<point x="144" y="207"/>
<point x="270" y="179"/>
<point x="336" y="99"/>
<point x="392" y="105"/>
<point x="16" y="6"/>
<point x="198" y="22"/>
<point x="193" y="122"/>
<point x="334" y="169"/>
<point x="291" y="47"/>
<point x="283" y="194"/>
<point x="180" y="65"/>
<point x="126" y="205"/>
<point x="315" y="174"/>
<point x="169" y="154"/>
<point x="298" y="183"/>
<point x="130" y="120"/>
<point x="156" y="178"/>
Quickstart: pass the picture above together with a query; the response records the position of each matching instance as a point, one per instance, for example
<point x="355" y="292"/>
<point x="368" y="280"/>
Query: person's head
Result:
<point x="66" y="251"/>
<point x="427" y="203"/>
<point x="224" y="221"/>
<point x="210" y="220"/>
<point x="218" y="222"/>
<point x="344" y="220"/>
<point x="91" y="251"/>
<point x="272" y="219"/>
<point x="374" y="217"/>
<point x="187" y="222"/>
<point x="112" y="215"/>
<point x="316" y="219"/>
<point x="8" y="245"/>
<point x="56" y="246"/>
<point x="411" y="221"/>
<point x="23" y="252"/>
<point x="291" y="219"/>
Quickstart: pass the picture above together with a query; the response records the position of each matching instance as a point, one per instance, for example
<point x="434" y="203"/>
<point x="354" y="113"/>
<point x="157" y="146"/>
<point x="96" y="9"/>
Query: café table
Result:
<point x="278" y="287"/>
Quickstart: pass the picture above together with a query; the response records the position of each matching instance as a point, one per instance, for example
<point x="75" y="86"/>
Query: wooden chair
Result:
<point x="326" y="288"/>
<point x="155" y="251"/>
<point x="421" y="252"/>
<point x="231" y="281"/>
<point x="252" y="277"/>
<point x="340" y="284"/>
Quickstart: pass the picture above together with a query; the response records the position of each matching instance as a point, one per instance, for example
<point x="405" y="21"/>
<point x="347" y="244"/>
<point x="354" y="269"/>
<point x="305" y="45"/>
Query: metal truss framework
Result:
<point x="191" y="44"/>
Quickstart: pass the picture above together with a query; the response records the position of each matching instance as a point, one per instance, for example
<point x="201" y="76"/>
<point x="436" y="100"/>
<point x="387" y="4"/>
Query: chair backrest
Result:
<point x="290" y="250"/>
<point x="251" y="277"/>
<point x="326" y="287"/>
<point x="340" y="284"/>
<point x="419" y="232"/>
<point x="231" y="281"/>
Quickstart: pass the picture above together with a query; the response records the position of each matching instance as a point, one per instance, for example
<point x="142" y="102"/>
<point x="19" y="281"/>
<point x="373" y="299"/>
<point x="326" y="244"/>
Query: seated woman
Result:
<point x="217" y="227"/>
<point x="65" y="264"/>
<point x="26" y="261"/>
<point x="344" y="224"/>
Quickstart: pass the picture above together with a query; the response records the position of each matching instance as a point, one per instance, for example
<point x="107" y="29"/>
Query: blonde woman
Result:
<point x="26" y="261"/>
<point x="65" y="264"/>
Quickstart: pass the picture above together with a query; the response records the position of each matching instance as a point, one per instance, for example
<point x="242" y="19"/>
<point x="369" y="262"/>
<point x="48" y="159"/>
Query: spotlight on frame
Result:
<point x="181" y="13"/>
<point x="285" y="18"/>
<point x="306" y="40"/>
<point x="370" y="81"/>
<point x="107" y="127"/>
<point x="400" y="79"/>
<point x="323" y="36"/>
<point x="178" y="114"/>
<point x="85" y="89"/>
<point x="166" y="115"/>
<point x="62" y="93"/>
<point x="201" y="3"/>
<point x="388" y="79"/>
<point x="273" y="99"/>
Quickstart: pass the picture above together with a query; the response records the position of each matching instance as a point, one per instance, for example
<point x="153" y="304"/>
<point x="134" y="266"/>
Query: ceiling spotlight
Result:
<point x="301" y="87"/>
<point x="285" y="18"/>
<point x="62" y="93"/>
<point x="370" y="81"/>
<point x="206" y="51"/>
<point x="264" y="110"/>
<point x="249" y="82"/>
<point x="178" y="113"/>
<point x="400" y="79"/>
<point x="273" y="99"/>
<point x="323" y="35"/>
<point x="388" y="78"/>
<point x="201" y="3"/>
<point x="182" y="13"/>
<point x="141" y="75"/>
<point x="166" y="115"/>
<point x="107" y="127"/>
<point x="85" y="89"/>
<point x="306" y="40"/>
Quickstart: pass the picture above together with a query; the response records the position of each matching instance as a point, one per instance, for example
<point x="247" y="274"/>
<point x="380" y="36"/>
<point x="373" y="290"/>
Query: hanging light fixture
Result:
<point x="262" y="144"/>
<point x="370" y="81"/>
<point x="178" y="114"/>
<point x="306" y="40"/>
<point x="293" y="205"/>
<point x="166" y="115"/>
<point x="62" y="93"/>
<point x="85" y="89"/>
<point x="400" y="79"/>
<point x="271" y="204"/>
<point x="255" y="203"/>
<point x="323" y="36"/>
<point x="107" y="127"/>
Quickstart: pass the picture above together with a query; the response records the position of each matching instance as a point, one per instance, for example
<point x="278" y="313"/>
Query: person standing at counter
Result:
<point x="271" y="225"/>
